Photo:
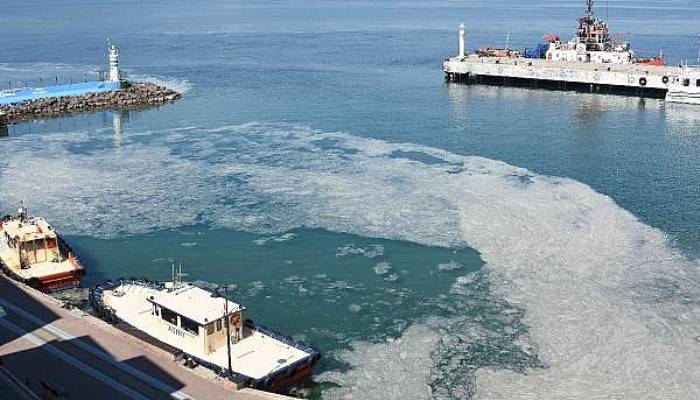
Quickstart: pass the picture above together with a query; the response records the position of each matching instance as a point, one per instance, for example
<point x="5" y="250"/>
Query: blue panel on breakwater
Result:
<point x="74" y="89"/>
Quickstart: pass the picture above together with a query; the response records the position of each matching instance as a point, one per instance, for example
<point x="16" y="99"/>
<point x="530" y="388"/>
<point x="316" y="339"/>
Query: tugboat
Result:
<point x="206" y="330"/>
<point x="33" y="253"/>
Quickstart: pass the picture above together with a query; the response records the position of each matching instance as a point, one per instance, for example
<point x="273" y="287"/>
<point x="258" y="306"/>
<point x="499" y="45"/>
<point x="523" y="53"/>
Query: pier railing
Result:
<point x="52" y="80"/>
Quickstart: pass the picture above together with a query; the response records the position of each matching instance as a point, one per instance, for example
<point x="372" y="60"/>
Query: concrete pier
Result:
<point x="65" y="353"/>
<point x="670" y="83"/>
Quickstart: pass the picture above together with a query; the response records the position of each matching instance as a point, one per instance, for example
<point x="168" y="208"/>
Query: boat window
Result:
<point x="189" y="325"/>
<point x="35" y="251"/>
<point x="168" y="315"/>
<point x="210" y="329"/>
<point x="218" y="324"/>
<point x="697" y="83"/>
<point x="686" y="82"/>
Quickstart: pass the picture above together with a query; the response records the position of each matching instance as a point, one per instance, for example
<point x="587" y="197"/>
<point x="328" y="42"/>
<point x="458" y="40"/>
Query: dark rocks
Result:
<point x="133" y="94"/>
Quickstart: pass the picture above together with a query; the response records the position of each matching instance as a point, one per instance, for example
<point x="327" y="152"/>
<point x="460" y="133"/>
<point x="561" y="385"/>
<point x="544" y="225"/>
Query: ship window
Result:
<point x="218" y="324"/>
<point x="697" y="83"/>
<point x="189" y="325"/>
<point x="686" y="82"/>
<point x="168" y="315"/>
<point x="210" y="328"/>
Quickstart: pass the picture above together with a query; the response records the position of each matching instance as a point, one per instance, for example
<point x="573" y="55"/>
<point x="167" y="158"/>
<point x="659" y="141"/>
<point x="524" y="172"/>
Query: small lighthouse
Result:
<point x="114" y="64"/>
<point x="461" y="41"/>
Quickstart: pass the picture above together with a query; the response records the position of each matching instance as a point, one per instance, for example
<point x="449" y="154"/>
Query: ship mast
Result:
<point x="589" y="12"/>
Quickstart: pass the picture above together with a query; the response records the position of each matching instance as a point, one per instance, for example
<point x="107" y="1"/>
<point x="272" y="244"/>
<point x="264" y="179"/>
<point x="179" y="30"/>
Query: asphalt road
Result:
<point x="54" y="363"/>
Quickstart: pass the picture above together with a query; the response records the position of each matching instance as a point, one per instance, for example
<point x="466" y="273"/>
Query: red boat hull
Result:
<point x="52" y="283"/>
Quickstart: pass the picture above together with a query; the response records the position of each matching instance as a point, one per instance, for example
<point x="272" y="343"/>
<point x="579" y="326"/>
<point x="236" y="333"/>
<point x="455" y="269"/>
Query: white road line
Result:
<point x="176" y="394"/>
<point x="45" y="345"/>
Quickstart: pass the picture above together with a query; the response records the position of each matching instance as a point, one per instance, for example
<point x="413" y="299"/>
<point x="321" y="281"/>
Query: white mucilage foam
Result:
<point x="612" y="309"/>
<point x="177" y="84"/>
<point x="395" y="369"/>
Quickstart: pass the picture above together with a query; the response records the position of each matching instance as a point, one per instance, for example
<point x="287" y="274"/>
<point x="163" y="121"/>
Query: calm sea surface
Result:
<point x="433" y="240"/>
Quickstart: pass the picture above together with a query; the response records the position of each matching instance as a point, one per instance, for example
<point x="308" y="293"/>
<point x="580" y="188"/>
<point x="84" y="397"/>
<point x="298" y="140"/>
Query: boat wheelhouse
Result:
<point x="209" y="329"/>
<point x="33" y="253"/>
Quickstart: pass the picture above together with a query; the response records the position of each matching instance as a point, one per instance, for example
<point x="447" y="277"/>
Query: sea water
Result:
<point x="433" y="240"/>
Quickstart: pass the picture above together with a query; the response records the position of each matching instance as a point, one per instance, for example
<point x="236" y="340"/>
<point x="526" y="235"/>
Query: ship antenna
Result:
<point x="177" y="275"/>
<point x="589" y="4"/>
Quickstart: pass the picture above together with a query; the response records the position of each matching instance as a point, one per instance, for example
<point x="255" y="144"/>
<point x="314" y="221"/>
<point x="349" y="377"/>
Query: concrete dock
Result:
<point x="62" y="353"/>
<point x="626" y="79"/>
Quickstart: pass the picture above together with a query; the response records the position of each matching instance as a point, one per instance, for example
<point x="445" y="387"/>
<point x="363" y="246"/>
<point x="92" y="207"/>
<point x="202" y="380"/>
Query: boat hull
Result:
<point x="48" y="283"/>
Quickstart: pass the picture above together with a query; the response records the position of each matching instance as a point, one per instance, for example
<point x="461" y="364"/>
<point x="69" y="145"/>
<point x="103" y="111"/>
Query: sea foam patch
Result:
<point x="605" y="306"/>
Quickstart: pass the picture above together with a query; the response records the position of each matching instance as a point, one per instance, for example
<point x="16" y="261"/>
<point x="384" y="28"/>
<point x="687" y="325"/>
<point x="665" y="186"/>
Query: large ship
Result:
<point x="206" y="329"/>
<point x="592" y="61"/>
<point x="33" y="253"/>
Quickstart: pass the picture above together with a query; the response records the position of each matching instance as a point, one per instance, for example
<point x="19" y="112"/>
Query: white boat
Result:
<point x="33" y="253"/>
<point x="686" y="88"/>
<point x="206" y="328"/>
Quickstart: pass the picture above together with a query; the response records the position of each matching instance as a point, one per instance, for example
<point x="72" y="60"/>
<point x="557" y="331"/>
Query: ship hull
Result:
<point x="49" y="283"/>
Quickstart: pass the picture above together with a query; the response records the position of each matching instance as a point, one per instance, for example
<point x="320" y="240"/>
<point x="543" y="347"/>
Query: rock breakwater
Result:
<point x="133" y="94"/>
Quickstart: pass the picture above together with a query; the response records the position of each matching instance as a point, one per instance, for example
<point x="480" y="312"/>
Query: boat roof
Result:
<point x="33" y="228"/>
<point x="193" y="302"/>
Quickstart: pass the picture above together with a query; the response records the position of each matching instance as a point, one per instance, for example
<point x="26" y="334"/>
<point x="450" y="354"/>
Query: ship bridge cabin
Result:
<point x="195" y="318"/>
<point x="34" y="239"/>
<point x="33" y="253"/>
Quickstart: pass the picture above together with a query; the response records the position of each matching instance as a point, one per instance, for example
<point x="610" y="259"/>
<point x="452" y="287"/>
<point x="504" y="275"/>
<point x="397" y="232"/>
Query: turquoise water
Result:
<point x="432" y="240"/>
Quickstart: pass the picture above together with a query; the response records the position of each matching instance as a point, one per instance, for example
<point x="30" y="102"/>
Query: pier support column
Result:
<point x="3" y="124"/>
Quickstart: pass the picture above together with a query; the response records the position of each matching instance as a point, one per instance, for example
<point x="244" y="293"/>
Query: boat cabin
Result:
<point x="196" y="318"/>
<point x="34" y="241"/>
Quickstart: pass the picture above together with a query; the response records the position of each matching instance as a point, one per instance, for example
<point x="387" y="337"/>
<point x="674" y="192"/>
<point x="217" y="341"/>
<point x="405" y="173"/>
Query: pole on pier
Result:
<point x="228" y="332"/>
<point x="461" y="41"/>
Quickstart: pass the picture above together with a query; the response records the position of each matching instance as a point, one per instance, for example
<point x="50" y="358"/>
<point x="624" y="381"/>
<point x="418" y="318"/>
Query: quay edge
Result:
<point x="670" y="83"/>
<point x="83" y="335"/>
